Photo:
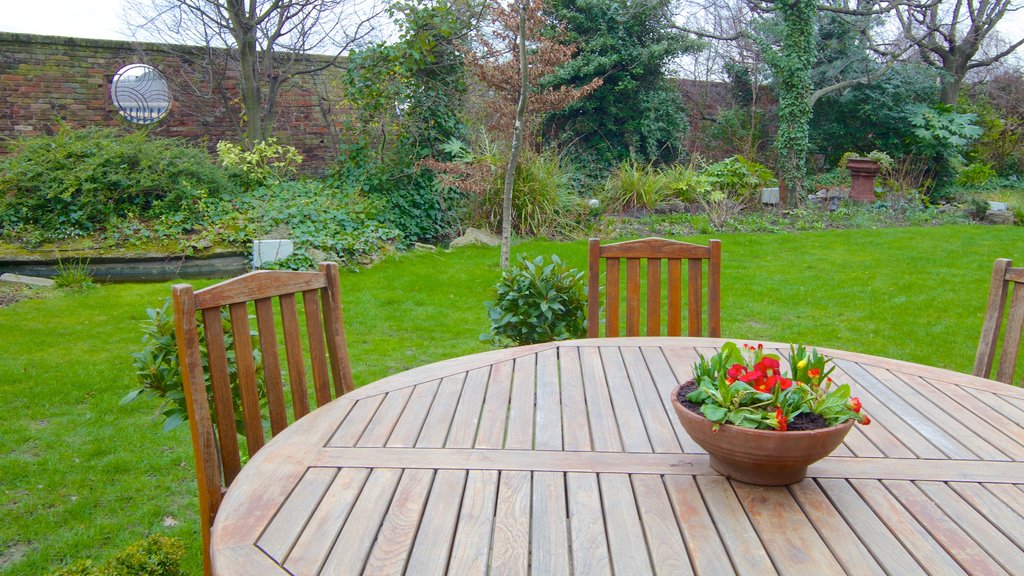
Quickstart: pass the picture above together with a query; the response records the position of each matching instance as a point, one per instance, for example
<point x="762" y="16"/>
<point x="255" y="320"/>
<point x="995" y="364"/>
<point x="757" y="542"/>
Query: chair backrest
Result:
<point x="215" y="445"/>
<point x="1004" y="281"/>
<point x="654" y="250"/>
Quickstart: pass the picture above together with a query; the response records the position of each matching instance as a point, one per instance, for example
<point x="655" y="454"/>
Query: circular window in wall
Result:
<point x="140" y="93"/>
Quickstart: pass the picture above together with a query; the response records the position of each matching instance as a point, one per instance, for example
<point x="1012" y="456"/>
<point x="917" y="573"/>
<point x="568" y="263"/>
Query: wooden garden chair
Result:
<point x="215" y="445"/>
<point x="1004" y="281"/>
<point x="654" y="250"/>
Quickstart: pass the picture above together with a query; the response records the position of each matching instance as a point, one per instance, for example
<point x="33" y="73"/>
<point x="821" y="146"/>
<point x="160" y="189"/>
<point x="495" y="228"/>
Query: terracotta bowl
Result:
<point x="763" y="457"/>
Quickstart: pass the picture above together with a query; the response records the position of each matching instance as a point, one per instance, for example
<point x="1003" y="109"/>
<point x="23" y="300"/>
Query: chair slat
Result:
<point x="293" y="354"/>
<point x="694" y="301"/>
<point x="993" y="319"/>
<point x="1012" y="336"/>
<point x="593" y="288"/>
<point x="223" y="403"/>
<point x="715" y="289"/>
<point x="653" y="297"/>
<point x="334" y="325"/>
<point x="675" y="297"/>
<point x="632" y="297"/>
<point x="317" y="352"/>
<point x="271" y="365"/>
<point x="611" y="305"/>
<point x="246" y="371"/>
<point x="258" y="284"/>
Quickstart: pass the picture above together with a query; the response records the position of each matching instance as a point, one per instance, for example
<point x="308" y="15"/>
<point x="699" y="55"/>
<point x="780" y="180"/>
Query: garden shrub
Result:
<point x="158" y="371"/>
<point x="636" y="185"/>
<point x="537" y="301"/>
<point x="686" y="183"/>
<point x="740" y="179"/>
<point x="153" y="556"/>
<point x="267" y="162"/>
<point x="76" y="181"/>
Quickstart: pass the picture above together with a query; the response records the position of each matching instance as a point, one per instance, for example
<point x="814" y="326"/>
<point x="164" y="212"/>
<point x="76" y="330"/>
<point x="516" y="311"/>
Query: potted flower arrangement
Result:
<point x="758" y="425"/>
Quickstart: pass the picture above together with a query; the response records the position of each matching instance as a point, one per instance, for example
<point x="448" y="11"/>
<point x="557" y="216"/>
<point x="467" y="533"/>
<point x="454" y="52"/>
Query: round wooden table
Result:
<point x="566" y="458"/>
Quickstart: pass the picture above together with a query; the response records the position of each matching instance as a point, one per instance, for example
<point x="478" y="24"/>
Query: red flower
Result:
<point x="854" y="404"/>
<point x="752" y="376"/>
<point x="771" y="381"/>
<point x="814" y="372"/>
<point x="780" y="418"/>
<point x="768" y="366"/>
<point x="865" y="420"/>
<point x="736" y="371"/>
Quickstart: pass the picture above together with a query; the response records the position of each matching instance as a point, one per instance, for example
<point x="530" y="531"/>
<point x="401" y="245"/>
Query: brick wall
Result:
<point x="43" y="78"/>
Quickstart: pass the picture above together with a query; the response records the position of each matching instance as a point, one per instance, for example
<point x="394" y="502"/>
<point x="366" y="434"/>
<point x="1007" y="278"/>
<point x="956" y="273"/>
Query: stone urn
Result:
<point x="862" y="178"/>
<point x="762" y="457"/>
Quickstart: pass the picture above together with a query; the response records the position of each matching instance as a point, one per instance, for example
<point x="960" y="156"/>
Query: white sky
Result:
<point x="104" y="19"/>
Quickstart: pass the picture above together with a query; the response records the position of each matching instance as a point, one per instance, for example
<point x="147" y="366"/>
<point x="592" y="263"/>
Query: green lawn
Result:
<point x="82" y="477"/>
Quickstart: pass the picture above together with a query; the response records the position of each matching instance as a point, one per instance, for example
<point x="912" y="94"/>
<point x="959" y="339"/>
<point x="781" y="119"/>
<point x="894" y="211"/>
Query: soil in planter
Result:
<point x="805" y="421"/>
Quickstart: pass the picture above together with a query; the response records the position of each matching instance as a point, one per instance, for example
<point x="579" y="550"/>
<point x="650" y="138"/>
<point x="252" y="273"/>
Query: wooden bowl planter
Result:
<point x="762" y="457"/>
<point x="862" y="178"/>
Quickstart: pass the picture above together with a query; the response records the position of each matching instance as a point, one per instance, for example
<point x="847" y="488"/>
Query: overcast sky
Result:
<point x="103" y="18"/>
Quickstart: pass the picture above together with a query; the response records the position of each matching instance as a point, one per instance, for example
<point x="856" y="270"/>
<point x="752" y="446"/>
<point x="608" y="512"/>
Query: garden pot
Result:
<point x="862" y="178"/>
<point x="762" y="457"/>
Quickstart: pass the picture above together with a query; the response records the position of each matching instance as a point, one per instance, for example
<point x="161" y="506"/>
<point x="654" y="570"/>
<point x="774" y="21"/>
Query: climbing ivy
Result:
<point x="791" y="63"/>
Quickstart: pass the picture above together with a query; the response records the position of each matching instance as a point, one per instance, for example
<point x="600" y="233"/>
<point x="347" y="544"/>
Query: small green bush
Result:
<point x="738" y="178"/>
<point x="154" y="556"/>
<point x="975" y="175"/>
<point x="73" y="275"/>
<point x="686" y="183"/>
<point x="538" y="302"/>
<point x="159" y="373"/>
<point x="637" y="185"/>
<point x="266" y="163"/>
<point x="74" y="182"/>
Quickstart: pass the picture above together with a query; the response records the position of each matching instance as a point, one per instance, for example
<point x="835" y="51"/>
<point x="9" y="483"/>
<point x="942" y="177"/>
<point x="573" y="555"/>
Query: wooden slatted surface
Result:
<point x="568" y="459"/>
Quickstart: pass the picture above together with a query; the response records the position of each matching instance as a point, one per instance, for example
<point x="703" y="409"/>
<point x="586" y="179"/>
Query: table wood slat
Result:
<point x="318" y="536"/>
<point x="409" y="424"/>
<point x="944" y="529"/>
<point x="703" y="544"/>
<point x="491" y="433"/>
<point x="437" y="530"/>
<point x="1012" y="440"/>
<point x="962" y="428"/>
<point x="358" y="418"/>
<point x="649" y="397"/>
<point x="589" y="542"/>
<point x="548" y="423"/>
<point x="741" y="541"/>
<point x="604" y="430"/>
<point x="442" y="412"/>
<point x="624" y="403"/>
<point x="397" y="534"/>
<point x="472" y="546"/>
<point x="900" y="410"/>
<point x="567" y="458"/>
<point x="383" y="423"/>
<point x="510" y="550"/>
<point x="668" y="553"/>
<point x="466" y="421"/>
<point x="622" y="524"/>
<point x="780" y="523"/>
<point x="871" y="531"/>
<point x="353" y="545"/>
<point x="848" y="550"/>
<point x="575" y="427"/>
<point x="981" y="530"/>
<point x="521" y="404"/>
<point x="283" y="530"/>
<point x="926" y="550"/>
<point x="549" y="531"/>
<point x="665" y="380"/>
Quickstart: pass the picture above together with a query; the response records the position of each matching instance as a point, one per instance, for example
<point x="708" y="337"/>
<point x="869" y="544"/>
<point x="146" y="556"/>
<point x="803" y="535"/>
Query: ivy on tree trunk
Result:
<point x="792" y="64"/>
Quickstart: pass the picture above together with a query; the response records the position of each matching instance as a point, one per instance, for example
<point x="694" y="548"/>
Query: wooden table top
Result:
<point x="567" y="458"/>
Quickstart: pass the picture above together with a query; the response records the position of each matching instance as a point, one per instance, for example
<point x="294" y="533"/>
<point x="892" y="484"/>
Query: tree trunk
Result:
<point x="251" y="100"/>
<point x="951" y="84"/>
<point x="517" y="141"/>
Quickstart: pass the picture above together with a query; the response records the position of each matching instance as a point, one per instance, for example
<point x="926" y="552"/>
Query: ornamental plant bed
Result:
<point x="759" y="426"/>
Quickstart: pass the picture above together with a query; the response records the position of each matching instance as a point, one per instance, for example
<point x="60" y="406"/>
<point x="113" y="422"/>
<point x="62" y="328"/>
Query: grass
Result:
<point x="82" y="477"/>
